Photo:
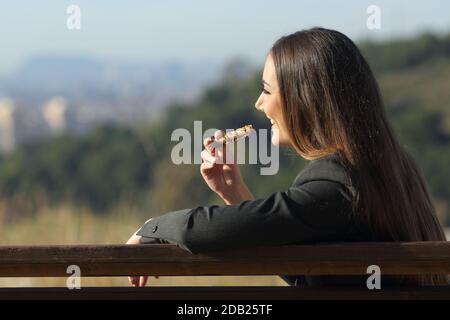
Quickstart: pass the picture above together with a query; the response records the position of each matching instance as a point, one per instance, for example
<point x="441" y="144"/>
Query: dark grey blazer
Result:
<point x="316" y="208"/>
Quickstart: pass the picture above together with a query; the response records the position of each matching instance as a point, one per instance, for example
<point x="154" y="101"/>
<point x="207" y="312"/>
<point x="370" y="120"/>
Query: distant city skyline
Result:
<point x="213" y="31"/>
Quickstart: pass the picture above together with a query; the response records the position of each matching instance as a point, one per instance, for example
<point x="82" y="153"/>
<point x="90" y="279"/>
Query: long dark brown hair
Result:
<point x="331" y="103"/>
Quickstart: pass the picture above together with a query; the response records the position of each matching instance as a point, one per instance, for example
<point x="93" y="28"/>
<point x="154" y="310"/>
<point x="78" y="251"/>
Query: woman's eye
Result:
<point x="265" y="91"/>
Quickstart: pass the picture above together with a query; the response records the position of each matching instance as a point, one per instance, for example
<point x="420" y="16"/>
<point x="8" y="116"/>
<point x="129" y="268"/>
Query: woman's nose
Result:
<point x="258" y="104"/>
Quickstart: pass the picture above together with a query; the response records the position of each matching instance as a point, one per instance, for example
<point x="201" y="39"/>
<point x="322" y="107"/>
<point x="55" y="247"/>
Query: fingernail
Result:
<point x="217" y="134"/>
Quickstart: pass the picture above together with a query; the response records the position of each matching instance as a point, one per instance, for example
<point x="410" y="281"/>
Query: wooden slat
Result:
<point x="169" y="260"/>
<point x="225" y="293"/>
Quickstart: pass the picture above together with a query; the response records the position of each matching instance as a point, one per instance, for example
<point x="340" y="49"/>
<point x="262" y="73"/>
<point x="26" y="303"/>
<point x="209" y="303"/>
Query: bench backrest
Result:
<point x="169" y="260"/>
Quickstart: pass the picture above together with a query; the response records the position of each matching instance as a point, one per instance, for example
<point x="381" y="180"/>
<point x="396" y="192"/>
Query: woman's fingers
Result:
<point x="221" y="155"/>
<point x="207" y="144"/>
<point x="132" y="280"/>
<point x="143" y="281"/>
<point x="224" y="153"/>
<point x="207" y="157"/>
<point x="208" y="141"/>
<point x="138" y="281"/>
<point x="206" y="169"/>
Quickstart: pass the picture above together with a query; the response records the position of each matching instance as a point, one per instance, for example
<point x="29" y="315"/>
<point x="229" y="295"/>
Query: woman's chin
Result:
<point x="275" y="138"/>
<point x="277" y="141"/>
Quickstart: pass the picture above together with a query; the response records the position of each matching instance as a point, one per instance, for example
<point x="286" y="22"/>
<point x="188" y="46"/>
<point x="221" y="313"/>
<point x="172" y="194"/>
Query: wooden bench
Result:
<point x="168" y="260"/>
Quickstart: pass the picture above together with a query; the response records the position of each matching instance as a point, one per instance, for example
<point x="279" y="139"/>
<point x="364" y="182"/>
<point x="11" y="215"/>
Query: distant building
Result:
<point x="54" y="113"/>
<point x="7" y="125"/>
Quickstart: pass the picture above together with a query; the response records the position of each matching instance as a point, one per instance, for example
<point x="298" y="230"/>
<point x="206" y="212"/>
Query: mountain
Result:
<point x="130" y="87"/>
<point x="96" y="91"/>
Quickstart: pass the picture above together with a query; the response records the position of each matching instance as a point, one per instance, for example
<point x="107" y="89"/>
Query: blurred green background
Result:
<point x="101" y="185"/>
<point x="113" y="168"/>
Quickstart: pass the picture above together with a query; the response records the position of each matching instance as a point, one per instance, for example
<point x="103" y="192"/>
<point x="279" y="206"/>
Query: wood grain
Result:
<point x="169" y="260"/>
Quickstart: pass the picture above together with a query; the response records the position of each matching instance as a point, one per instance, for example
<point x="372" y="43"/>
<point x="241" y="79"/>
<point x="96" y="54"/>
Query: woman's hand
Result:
<point x="224" y="179"/>
<point x="136" y="281"/>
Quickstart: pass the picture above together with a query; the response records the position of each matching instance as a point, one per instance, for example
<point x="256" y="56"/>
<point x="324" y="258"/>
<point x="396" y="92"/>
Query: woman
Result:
<point x="360" y="184"/>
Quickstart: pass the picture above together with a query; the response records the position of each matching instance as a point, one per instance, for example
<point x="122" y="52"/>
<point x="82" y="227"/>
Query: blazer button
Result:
<point x="155" y="227"/>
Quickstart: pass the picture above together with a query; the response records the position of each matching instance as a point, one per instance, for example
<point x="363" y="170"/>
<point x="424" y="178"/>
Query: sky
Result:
<point x="196" y="30"/>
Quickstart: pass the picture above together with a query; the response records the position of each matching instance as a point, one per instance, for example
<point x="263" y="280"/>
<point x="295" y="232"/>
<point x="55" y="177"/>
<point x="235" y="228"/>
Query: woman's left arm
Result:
<point x="313" y="211"/>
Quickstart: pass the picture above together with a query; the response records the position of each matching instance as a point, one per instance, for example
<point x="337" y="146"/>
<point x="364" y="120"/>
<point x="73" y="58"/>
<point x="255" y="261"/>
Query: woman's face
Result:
<point x="269" y="103"/>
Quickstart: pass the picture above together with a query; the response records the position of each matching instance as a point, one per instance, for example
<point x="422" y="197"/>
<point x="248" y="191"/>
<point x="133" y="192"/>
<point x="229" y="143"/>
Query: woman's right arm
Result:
<point x="223" y="178"/>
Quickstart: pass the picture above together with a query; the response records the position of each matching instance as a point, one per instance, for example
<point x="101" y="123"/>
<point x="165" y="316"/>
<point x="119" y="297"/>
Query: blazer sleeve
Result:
<point x="313" y="211"/>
